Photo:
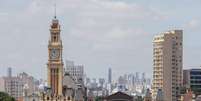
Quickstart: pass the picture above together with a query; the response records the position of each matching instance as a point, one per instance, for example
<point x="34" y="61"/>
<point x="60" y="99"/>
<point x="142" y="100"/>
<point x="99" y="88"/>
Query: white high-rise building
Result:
<point x="167" y="64"/>
<point x="75" y="71"/>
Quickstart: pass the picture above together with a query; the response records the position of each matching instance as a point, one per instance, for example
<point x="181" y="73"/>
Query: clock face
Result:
<point x="54" y="53"/>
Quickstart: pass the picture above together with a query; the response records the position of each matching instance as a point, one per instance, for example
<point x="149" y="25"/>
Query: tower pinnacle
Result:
<point x="55" y="9"/>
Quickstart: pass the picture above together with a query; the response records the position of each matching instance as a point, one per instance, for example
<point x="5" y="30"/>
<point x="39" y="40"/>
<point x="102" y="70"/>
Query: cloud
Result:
<point x="108" y="8"/>
<point x="96" y="18"/>
<point x="194" y="23"/>
<point x="96" y="33"/>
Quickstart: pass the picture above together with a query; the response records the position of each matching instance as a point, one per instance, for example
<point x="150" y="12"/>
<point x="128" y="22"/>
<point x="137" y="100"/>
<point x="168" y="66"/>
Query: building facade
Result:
<point x="76" y="71"/>
<point x="14" y="87"/>
<point x="2" y="84"/>
<point x="186" y="78"/>
<point x="168" y="64"/>
<point x="30" y="81"/>
<point x="192" y="80"/>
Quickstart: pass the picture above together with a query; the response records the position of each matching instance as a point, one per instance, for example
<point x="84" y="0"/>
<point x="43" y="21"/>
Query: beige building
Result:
<point x="167" y="64"/>
<point x="2" y="84"/>
<point x="13" y="86"/>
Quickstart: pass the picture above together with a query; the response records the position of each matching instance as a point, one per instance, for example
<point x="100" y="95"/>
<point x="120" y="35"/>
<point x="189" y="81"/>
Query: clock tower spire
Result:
<point x="55" y="10"/>
<point x="55" y="62"/>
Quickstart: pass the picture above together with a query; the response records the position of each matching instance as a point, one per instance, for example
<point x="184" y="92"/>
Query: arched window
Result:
<point x="55" y="38"/>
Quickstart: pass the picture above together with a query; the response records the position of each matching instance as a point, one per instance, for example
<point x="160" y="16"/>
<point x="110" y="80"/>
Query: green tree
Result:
<point x="97" y="98"/>
<point x="5" y="97"/>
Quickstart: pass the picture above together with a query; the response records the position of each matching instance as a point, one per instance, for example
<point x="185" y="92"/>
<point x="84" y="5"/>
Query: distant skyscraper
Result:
<point x="143" y="79"/>
<point x="167" y="58"/>
<point x="130" y="82"/>
<point x="9" y="74"/>
<point x="110" y="75"/>
<point x="101" y="82"/>
<point x="122" y="80"/>
<point x="87" y="81"/>
<point x="137" y="78"/>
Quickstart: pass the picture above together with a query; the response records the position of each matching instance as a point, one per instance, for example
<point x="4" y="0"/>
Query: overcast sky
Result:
<point x="96" y="33"/>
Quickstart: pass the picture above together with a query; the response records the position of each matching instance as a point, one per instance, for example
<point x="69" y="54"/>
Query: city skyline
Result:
<point x="123" y="42"/>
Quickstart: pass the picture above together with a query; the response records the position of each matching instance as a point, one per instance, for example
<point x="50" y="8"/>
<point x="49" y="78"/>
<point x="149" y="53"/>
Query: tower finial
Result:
<point x="55" y="9"/>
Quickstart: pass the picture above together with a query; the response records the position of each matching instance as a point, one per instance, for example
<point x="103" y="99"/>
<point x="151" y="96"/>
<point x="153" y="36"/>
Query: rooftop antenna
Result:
<point x="55" y="9"/>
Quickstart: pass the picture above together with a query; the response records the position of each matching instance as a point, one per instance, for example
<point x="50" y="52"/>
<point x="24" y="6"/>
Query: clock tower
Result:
<point x="55" y="62"/>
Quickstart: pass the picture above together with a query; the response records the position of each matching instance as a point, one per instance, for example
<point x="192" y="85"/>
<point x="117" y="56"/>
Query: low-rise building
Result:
<point x="192" y="80"/>
<point x="148" y="96"/>
<point x="188" y="96"/>
<point x="119" y="96"/>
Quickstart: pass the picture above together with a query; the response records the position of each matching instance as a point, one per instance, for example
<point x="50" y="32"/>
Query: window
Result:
<point x="68" y="98"/>
<point x="54" y="38"/>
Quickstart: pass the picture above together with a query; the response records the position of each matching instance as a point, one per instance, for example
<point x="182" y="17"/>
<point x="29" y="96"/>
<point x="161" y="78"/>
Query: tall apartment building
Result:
<point x="13" y="86"/>
<point x="167" y="64"/>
